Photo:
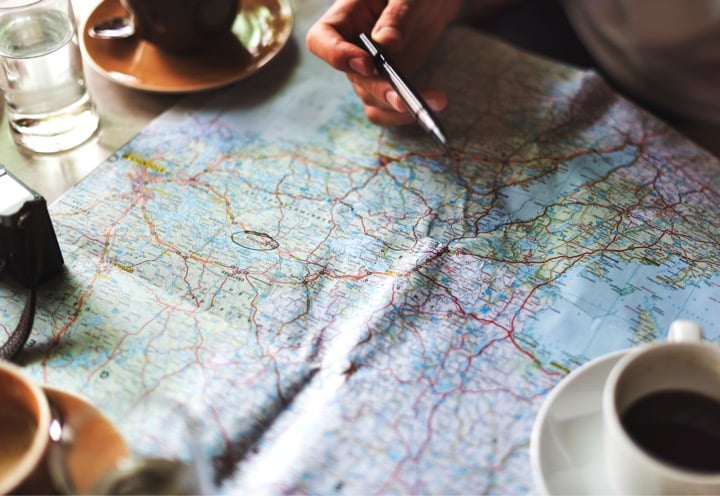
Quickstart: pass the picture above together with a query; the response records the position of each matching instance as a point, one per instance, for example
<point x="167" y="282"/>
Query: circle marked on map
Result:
<point x="254" y="240"/>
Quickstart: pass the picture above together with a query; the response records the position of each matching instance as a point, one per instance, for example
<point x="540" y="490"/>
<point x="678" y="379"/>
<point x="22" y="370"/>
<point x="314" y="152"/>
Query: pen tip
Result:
<point x="440" y="137"/>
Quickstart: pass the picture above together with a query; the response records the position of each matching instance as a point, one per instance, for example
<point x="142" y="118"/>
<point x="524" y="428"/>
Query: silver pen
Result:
<point x="412" y="100"/>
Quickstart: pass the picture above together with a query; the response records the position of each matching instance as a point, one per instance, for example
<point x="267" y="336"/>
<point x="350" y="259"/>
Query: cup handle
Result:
<point x="684" y="331"/>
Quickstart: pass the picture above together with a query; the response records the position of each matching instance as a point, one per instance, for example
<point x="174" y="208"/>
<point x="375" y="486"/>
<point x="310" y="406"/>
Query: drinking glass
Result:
<point x="47" y="102"/>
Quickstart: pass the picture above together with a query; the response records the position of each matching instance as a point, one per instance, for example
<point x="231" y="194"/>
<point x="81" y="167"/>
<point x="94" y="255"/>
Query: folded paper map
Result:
<point x="346" y="308"/>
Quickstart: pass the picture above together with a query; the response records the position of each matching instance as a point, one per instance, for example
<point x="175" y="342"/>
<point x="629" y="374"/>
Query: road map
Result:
<point x="350" y="310"/>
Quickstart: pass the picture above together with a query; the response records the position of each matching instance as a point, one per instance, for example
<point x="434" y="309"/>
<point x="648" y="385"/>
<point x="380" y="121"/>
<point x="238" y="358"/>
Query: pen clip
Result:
<point x="370" y="45"/>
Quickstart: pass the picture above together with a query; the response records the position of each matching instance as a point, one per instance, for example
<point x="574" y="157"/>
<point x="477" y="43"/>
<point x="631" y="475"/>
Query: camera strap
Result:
<point x="26" y="262"/>
<point x="21" y="333"/>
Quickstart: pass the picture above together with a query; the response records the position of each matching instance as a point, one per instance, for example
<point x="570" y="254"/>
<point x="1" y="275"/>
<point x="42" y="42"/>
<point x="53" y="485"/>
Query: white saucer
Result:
<point x="566" y="447"/>
<point x="261" y="30"/>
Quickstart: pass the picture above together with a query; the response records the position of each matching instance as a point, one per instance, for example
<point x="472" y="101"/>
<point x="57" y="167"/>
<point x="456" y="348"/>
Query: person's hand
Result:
<point x="406" y="29"/>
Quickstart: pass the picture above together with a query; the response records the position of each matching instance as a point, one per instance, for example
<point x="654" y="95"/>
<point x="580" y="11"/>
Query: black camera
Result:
<point x="28" y="247"/>
<point x="29" y="250"/>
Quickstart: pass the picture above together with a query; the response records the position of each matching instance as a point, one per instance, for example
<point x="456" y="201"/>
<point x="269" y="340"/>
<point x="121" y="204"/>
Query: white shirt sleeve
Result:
<point x="666" y="52"/>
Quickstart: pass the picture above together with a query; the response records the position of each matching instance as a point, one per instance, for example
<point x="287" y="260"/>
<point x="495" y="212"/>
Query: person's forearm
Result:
<point x="473" y="10"/>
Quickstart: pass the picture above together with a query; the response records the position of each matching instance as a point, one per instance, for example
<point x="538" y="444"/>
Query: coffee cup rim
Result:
<point x="33" y="456"/>
<point x="610" y="412"/>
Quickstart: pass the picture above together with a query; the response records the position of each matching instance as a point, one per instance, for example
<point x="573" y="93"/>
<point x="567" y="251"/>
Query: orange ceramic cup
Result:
<point x="24" y="428"/>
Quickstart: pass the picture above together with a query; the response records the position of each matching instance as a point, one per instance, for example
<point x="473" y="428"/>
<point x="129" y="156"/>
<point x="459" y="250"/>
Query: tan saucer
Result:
<point x="261" y="30"/>
<point x="96" y="443"/>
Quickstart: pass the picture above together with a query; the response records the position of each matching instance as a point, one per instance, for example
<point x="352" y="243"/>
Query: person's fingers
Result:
<point x="435" y="99"/>
<point x="406" y="28"/>
<point x="396" y="24"/>
<point x="325" y="42"/>
<point x="333" y="38"/>
<point x="385" y="107"/>
<point x="383" y="117"/>
<point x="372" y="91"/>
<point x="379" y="93"/>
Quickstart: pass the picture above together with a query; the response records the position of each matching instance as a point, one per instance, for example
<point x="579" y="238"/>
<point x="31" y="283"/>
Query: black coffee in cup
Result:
<point x="681" y="428"/>
<point x="17" y="430"/>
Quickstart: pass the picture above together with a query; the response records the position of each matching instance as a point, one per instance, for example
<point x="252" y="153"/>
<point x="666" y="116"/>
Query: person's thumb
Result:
<point x="395" y="24"/>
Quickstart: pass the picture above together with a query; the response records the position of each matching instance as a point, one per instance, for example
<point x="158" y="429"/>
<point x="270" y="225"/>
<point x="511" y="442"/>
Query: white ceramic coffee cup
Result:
<point x="684" y="362"/>
<point x="24" y="424"/>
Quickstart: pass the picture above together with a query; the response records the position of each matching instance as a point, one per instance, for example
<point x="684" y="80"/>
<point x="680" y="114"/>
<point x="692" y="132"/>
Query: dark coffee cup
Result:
<point x="182" y="25"/>
<point x="661" y="416"/>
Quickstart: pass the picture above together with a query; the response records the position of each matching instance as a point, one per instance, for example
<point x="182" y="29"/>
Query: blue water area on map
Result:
<point x="591" y="315"/>
<point x="526" y="202"/>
